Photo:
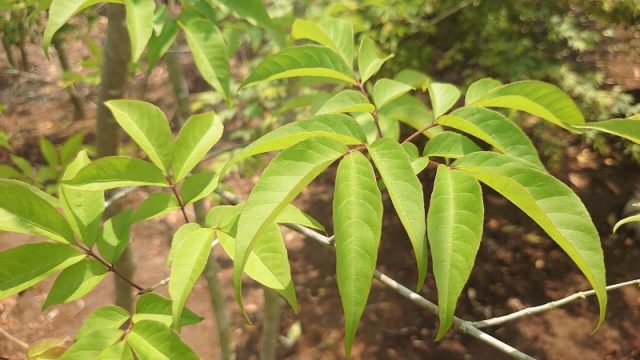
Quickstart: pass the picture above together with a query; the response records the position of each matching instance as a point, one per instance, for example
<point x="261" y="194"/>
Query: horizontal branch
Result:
<point x="462" y="325"/>
<point x="548" y="306"/>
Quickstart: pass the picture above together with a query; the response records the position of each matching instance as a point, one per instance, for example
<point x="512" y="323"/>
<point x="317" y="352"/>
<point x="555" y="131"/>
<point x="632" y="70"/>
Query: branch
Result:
<point x="462" y="325"/>
<point x="375" y="112"/>
<point x="548" y="306"/>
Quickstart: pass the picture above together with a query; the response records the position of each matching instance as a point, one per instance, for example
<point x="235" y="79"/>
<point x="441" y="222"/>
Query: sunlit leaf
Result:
<point x="196" y="138"/>
<point x="369" y="59"/>
<point x="161" y="41"/>
<point x="139" y="24"/>
<point x="443" y="97"/>
<point x="386" y="90"/>
<point x="59" y="13"/>
<point x="626" y="128"/>
<point x="151" y="340"/>
<point x="75" y="282"/>
<point x="89" y="347"/>
<point x="346" y="101"/>
<point x="154" y="307"/>
<point x="479" y="88"/>
<point x="114" y="235"/>
<point x="157" y="204"/>
<point x="198" y="186"/>
<point x="451" y="145"/>
<point x="106" y="317"/>
<point x="119" y="351"/>
<point x="335" y="34"/>
<point x="117" y="171"/>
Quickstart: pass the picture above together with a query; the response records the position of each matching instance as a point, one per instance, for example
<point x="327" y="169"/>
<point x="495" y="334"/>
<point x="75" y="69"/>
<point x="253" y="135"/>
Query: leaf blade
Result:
<point x="117" y="171"/>
<point x="75" y="282"/>
<point x="626" y="128"/>
<point x="198" y="135"/>
<point x="151" y="340"/>
<point x="139" y="24"/>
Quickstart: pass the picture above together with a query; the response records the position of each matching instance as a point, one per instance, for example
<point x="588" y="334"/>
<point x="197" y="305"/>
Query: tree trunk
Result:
<point x="270" y="325"/>
<point x="8" y="51"/>
<point x="22" y="46"/>
<point x="78" y="106"/>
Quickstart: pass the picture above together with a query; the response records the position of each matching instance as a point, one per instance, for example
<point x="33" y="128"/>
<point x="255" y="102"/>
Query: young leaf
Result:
<point x="209" y="53"/>
<point x="157" y="204"/>
<point x="479" y="88"/>
<point x="335" y="34"/>
<point x="75" y="282"/>
<point x="494" y="129"/>
<point x="106" y="317"/>
<point x="357" y="218"/>
<point x="117" y="171"/>
<point x="147" y="126"/>
<point x="139" y="25"/>
<point x="114" y="236"/>
<point x="49" y="152"/>
<point x="196" y="138"/>
<point x="406" y="195"/>
<point x="25" y="209"/>
<point x="117" y="351"/>
<point x="633" y="218"/>
<point x="386" y="90"/>
<point x="450" y="145"/>
<point x="26" y="265"/>
<point x="626" y="128"/>
<point x="537" y="98"/>
<point x="346" y="101"/>
<point x="89" y="347"/>
<point x="198" y="186"/>
<point x="151" y="340"/>
<point x="551" y="204"/>
<point x="454" y="230"/>
<point x="285" y="177"/>
<point x="188" y="263"/>
<point x="267" y="263"/>
<point x="154" y="307"/>
<point x="308" y="60"/>
<point x="369" y="59"/>
<point x="161" y="40"/>
<point x="59" y="13"/>
<point x="443" y="97"/>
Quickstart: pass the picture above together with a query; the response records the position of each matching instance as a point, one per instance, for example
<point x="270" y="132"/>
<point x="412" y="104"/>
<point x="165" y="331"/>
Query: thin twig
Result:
<point x="19" y="342"/>
<point x="548" y="306"/>
<point x="172" y="185"/>
<point x="412" y="136"/>
<point x="375" y="112"/>
<point x="462" y="325"/>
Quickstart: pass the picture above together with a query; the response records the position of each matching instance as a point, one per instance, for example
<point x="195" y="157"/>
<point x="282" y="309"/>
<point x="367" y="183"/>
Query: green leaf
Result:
<point x="551" y="204"/>
<point x="75" y="282"/>
<point x="26" y="265"/>
<point x="27" y="210"/>
<point x="285" y="177"/>
<point x="89" y="347"/>
<point x="83" y="208"/>
<point x="335" y="34"/>
<point x="293" y="215"/>
<point x="267" y="262"/>
<point x="418" y="163"/>
<point x="224" y="217"/>
<point x="634" y="117"/>
<point x="494" y="129"/>
<point x="450" y="145"/>
<point x="49" y="152"/>
<point x="4" y="141"/>
<point x="480" y="88"/>
<point x="409" y="110"/>
<point x="23" y="165"/>
<point x="254" y="9"/>
<point x="9" y="172"/>
<point x="147" y="126"/>
<point x="114" y="236"/>
<point x="209" y="53"/>
<point x="386" y="90"/>
<point x="161" y="40"/>
<point x="105" y="317"/>
<point x="357" y="218"/>
<point x="443" y="97"/>
<point x="406" y="195"/>
<point x="178" y="237"/>
<point x="189" y="261"/>
<point x="369" y="59"/>
<point x="157" y="204"/>
<point x="117" y="351"/>
<point x="46" y="349"/>
<point x="196" y="138"/>
<point x="139" y="24"/>
<point x="633" y="218"/>
<point x="70" y="148"/>
<point x="154" y="307"/>
<point x="59" y="13"/>
<point x="198" y="186"/>
<point x="151" y="340"/>
<point x="346" y="101"/>
<point x="308" y="60"/>
<point x="537" y="98"/>
<point x="117" y="171"/>
<point x="626" y="128"/>
<point x="413" y="78"/>
<point x="454" y="229"/>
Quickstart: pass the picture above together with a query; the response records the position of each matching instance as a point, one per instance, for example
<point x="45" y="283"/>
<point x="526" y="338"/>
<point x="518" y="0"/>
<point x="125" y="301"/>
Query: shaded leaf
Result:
<point x="75" y="282"/>
<point x="117" y="351"/>
<point x="633" y="218"/>
<point x="114" y="236"/>
<point x="106" y="317"/>
<point x="413" y="78"/>
<point x="157" y="204"/>
<point x="198" y="186"/>
<point x="178" y="237"/>
<point x="70" y="148"/>
<point x="161" y="40"/>
<point x="89" y="347"/>
<point x="154" y="307"/>
<point x="49" y="152"/>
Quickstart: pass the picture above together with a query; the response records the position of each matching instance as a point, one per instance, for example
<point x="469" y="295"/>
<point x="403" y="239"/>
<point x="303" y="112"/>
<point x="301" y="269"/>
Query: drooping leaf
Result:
<point x="551" y="204"/>
<point x="114" y="236"/>
<point x="151" y="340"/>
<point x="154" y="307"/>
<point x="189" y="261"/>
<point x="49" y="152"/>
<point x="198" y="186"/>
<point x="26" y="265"/>
<point x="89" y="347"/>
<point x="106" y="317"/>
<point x="626" y="128"/>
<point x="139" y="24"/>
<point x="157" y="204"/>
<point x="479" y="88"/>
<point x="178" y="237"/>
<point x="346" y="101"/>
<point x="494" y="129"/>
<point x="406" y="195"/>
<point x="450" y="145"/>
<point x="369" y="59"/>
<point x="59" y="13"/>
<point x="161" y="40"/>
<point x="119" y="351"/>
<point x="454" y="230"/>
<point x="148" y="127"/>
<point x="75" y="282"/>
<point x="285" y="177"/>
<point x="633" y="218"/>
<point x="537" y="98"/>
<point x="25" y="209"/>
<point x="196" y="138"/>
<point x="335" y="34"/>
<point x="443" y="97"/>
<point x="117" y="171"/>
<point x="307" y="60"/>
<point x="209" y="53"/>
<point x="387" y="90"/>
<point x="357" y="218"/>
